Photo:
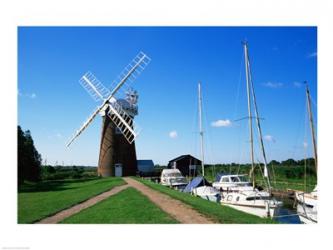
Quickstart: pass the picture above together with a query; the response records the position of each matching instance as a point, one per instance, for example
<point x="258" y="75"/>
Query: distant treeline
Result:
<point x="67" y="172"/>
<point x="288" y="169"/>
<point x="288" y="162"/>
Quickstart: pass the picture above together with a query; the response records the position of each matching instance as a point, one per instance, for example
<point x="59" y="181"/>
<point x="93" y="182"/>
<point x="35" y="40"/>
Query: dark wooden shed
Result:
<point x="187" y="164"/>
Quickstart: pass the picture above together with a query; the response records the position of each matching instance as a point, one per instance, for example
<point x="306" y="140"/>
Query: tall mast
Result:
<point x="201" y="132"/>
<point x="312" y="127"/>
<point x="258" y="125"/>
<point x="249" y="111"/>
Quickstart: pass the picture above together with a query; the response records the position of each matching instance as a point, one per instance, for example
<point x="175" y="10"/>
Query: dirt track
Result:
<point x="177" y="209"/>
<point x="77" y="208"/>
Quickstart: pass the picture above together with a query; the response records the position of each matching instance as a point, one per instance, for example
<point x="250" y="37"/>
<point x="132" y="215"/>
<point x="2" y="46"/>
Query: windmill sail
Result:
<point x="119" y="116"/>
<point x="123" y="121"/>
<point x="84" y="126"/>
<point x="94" y="87"/>
<point x="132" y="70"/>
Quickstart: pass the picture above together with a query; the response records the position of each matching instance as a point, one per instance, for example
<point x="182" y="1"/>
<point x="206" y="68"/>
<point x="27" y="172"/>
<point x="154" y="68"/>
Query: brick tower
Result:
<point x="115" y="150"/>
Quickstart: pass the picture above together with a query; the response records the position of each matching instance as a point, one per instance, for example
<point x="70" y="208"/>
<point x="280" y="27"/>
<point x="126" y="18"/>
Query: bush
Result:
<point x="75" y="172"/>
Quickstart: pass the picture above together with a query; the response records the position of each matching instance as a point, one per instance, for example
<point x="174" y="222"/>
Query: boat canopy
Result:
<point x="219" y="175"/>
<point x="196" y="182"/>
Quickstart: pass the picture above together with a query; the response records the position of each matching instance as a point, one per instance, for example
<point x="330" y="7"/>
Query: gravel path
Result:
<point x="77" y="208"/>
<point x="177" y="209"/>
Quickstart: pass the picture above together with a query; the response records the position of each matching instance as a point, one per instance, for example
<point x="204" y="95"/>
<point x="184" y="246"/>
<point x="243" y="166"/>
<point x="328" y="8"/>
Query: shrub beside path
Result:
<point x="177" y="209"/>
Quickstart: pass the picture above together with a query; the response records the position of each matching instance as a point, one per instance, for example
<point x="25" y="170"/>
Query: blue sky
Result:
<point x="52" y="104"/>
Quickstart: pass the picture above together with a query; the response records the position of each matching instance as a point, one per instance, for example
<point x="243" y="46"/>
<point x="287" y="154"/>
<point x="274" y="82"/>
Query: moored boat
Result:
<point x="173" y="178"/>
<point x="236" y="191"/>
<point x="307" y="202"/>
<point x="199" y="186"/>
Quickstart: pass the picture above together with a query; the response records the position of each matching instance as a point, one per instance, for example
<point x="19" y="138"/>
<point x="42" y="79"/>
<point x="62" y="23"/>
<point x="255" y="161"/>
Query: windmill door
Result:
<point x="118" y="170"/>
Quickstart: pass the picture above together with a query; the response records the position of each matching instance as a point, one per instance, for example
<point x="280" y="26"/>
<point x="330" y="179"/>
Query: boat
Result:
<point x="307" y="201"/>
<point x="199" y="186"/>
<point x="231" y="182"/>
<point x="236" y="191"/>
<point x="259" y="203"/>
<point x="307" y="206"/>
<point x="173" y="178"/>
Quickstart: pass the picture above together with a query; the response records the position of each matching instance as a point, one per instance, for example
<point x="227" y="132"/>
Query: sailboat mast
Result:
<point x="312" y="127"/>
<point x="249" y="112"/>
<point x="259" y="130"/>
<point x="201" y="131"/>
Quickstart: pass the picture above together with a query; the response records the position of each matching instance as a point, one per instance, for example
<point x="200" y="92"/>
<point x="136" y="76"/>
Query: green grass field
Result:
<point x="40" y="200"/>
<point x="217" y="212"/>
<point x="128" y="206"/>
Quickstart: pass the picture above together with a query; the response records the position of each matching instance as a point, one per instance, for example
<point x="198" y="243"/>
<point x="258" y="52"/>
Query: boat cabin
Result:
<point x="231" y="182"/>
<point x="173" y="178"/>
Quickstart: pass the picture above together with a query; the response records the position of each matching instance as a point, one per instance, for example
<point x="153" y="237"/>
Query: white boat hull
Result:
<point x="307" y="215"/>
<point x="207" y="193"/>
<point x="307" y="206"/>
<point x="266" y="207"/>
<point x="258" y="211"/>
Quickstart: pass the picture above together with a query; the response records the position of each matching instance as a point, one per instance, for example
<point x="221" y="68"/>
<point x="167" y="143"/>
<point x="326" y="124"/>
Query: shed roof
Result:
<point x="182" y="157"/>
<point x="145" y="165"/>
<point x="145" y="162"/>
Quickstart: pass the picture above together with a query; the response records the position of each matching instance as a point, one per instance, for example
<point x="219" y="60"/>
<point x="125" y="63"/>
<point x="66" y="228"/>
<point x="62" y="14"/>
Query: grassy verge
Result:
<point x="128" y="206"/>
<point x="37" y="201"/>
<point x="215" y="211"/>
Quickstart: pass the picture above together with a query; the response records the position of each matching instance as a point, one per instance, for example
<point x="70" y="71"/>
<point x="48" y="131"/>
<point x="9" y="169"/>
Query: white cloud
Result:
<point x="58" y="135"/>
<point x="297" y="84"/>
<point x="273" y="85"/>
<point x="269" y="138"/>
<point x="313" y="54"/>
<point x="305" y="144"/>
<point x="173" y="134"/>
<point x="55" y="135"/>
<point x="222" y="123"/>
<point x="32" y="95"/>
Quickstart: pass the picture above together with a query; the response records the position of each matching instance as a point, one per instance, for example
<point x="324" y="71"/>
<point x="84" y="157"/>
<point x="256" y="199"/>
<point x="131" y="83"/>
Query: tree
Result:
<point x="274" y="163"/>
<point x="307" y="161"/>
<point x="289" y="162"/>
<point x="29" y="160"/>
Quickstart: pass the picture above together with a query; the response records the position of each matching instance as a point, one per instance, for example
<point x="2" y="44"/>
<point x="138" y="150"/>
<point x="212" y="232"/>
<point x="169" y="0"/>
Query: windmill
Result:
<point x="117" y="154"/>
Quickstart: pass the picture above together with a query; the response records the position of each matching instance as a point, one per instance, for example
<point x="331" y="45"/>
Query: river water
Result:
<point x="287" y="213"/>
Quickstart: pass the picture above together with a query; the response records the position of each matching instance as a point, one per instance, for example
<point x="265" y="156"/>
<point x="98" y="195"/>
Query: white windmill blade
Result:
<point x="130" y="72"/>
<point x="94" y="87"/>
<point x="85" y="124"/>
<point x="123" y="121"/>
